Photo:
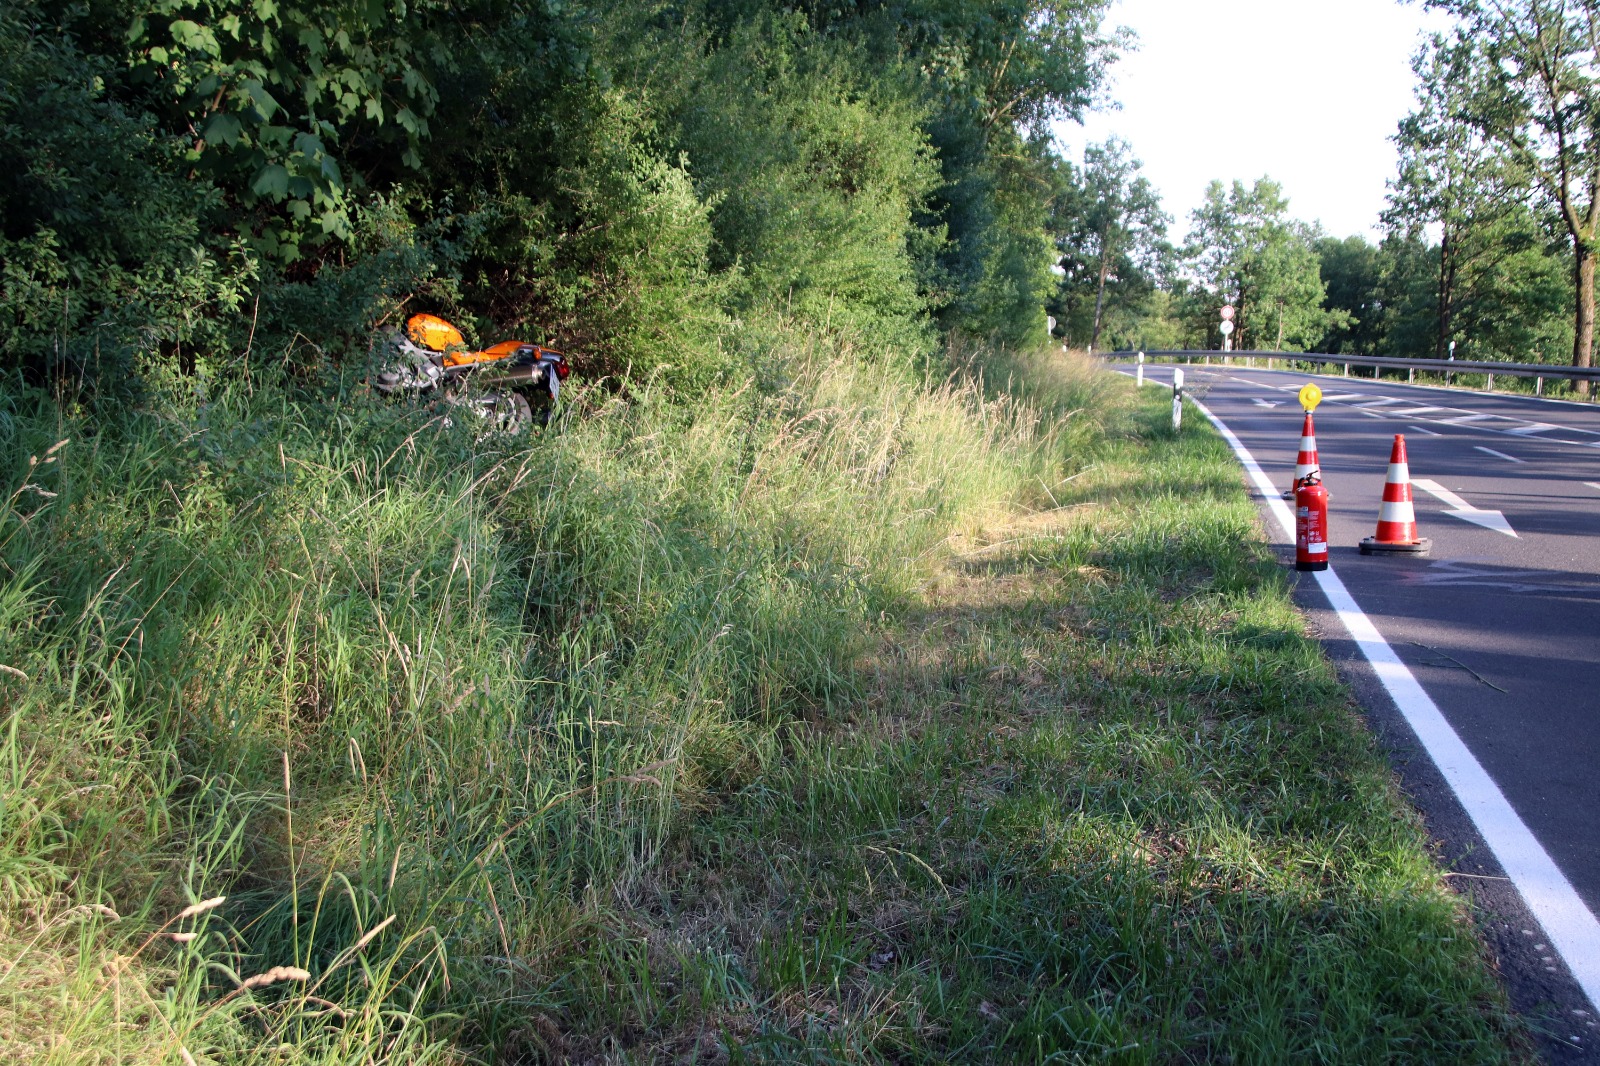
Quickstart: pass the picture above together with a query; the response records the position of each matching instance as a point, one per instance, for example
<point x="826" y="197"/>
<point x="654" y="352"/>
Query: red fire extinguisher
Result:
<point x="1311" y="523"/>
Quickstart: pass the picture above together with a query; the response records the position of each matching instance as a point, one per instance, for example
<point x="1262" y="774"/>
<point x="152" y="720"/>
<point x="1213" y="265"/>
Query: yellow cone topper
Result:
<point x="1310" y="396"/>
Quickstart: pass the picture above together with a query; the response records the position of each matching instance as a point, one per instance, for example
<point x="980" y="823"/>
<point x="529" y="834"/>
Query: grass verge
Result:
<point x="834" y="717"/>
<point x="1105" y="801"/>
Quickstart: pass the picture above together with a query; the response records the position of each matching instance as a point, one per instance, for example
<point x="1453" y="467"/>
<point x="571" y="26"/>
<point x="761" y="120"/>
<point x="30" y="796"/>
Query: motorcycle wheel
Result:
<point x="510" y="413"/>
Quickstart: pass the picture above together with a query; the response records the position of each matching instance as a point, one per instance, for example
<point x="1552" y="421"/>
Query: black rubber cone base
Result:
<point x="1310" y="567"/>
<point x="1373" y="546"/>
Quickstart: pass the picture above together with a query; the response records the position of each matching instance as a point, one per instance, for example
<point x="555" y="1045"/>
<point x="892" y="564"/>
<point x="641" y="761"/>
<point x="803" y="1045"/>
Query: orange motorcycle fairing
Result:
<point x="434" y="333"/>
<point x="492" y="354"/>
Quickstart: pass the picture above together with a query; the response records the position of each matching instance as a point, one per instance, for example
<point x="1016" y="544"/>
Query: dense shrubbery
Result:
<point x="193" y="182"/>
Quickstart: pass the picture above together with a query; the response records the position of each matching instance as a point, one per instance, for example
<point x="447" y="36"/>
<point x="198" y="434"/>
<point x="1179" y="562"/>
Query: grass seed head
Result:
<point x="274" y="975"/>
<point x="201" y="907"/>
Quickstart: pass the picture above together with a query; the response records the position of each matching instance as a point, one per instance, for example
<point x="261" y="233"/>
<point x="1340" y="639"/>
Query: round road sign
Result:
<point x="1310" y="396"/>
<point x="1227" y="312"/>
<point x="1226" y="327"/>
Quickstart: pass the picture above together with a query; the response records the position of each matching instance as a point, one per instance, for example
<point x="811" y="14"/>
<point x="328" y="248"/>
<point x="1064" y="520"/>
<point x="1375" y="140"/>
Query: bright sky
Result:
<point x="1306" y="92"/>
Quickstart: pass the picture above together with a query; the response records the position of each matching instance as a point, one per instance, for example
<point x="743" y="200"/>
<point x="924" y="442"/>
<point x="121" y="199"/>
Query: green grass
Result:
<point x="832" y="716"/>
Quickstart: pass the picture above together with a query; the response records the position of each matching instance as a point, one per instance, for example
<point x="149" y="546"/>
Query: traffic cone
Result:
<point x="1305" y="463"/>
<point x="1397" y="518"/>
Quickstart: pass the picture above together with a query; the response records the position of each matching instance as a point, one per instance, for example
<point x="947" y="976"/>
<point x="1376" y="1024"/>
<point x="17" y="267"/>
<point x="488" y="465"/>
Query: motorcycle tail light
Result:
<point x="562" y="369"/>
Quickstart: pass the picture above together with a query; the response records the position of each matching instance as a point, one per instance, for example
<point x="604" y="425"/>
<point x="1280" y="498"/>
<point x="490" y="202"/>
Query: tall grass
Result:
<point x="419" y="709"/>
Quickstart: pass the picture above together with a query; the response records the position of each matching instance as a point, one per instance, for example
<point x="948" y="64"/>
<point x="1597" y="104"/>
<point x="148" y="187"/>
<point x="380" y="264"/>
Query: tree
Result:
<point x="1110" y="230"/>
<point x="1352" y="276"/>
<point x="1535" y="92"/>
<point x="1497" y="264"/>
<point x="1244" y="249"/>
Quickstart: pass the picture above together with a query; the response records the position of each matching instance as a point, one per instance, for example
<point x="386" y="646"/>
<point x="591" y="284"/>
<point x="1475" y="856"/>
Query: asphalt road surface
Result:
<point x="1500" y="623"/>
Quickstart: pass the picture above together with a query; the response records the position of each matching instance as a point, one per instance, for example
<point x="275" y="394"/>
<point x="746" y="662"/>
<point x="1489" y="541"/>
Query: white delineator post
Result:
<point x="1177" y="397"/>
<point x="1138" y="373"/>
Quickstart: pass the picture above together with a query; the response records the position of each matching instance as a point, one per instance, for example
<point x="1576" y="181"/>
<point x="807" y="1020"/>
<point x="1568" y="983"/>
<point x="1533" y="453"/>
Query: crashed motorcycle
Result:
<point x="509" y="386"/>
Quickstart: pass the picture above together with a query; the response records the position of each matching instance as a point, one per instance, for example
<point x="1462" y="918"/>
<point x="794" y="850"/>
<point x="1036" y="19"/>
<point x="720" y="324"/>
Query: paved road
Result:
<point x="1502" y="631"/>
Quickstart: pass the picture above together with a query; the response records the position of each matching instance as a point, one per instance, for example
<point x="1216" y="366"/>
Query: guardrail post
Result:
<point x="1411" y="374"/>
<point x="1538" y="386"/>
<point x="1490" y="386"/>
<point x="1347" y="370"/>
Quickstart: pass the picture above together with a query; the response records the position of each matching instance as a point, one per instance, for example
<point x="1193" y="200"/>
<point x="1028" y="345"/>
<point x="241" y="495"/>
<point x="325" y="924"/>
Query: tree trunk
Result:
<point x="1583" y="331"/>
<point x="1446" y="283"/>
<point x="1239" y="316"/>
<point x="1100" y="296"/>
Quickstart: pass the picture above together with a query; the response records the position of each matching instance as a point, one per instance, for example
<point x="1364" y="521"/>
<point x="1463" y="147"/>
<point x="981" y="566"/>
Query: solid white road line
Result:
<point x="1498" y="455"/>
<point x="1424" y="432"/>
<point x="1571" y="929"/>
<point x="1593" y="484"/>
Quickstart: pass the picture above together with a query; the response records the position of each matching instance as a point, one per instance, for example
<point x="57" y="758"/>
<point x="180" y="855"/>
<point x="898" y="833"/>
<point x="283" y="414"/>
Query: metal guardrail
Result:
<point x="1538" y="371"/>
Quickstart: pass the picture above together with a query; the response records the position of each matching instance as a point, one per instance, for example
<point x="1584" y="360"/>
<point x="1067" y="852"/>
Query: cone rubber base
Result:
<point x="1310" y="567"/>
<point x="1373" y="546"/>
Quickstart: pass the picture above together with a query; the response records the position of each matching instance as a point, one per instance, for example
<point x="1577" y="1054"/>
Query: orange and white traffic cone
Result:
<point x="1397" y="517"/>
<point x="1305" y="462"/>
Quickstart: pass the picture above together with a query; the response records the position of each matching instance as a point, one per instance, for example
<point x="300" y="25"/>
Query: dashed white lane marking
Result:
<point x="1593" y="484"/>
<point x="1425" y="432"/>
<point x="1529" y="430"/>
<point x="1569" y="926"/>
<point x="1498" y="455"/>
<point x="1464" y="420"/>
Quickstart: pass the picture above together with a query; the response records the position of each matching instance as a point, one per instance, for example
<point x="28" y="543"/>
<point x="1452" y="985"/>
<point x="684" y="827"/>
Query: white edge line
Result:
<point x="1567" y="923"/>
<point x="1499" y="455"/>
<point x="1424" y="432"/>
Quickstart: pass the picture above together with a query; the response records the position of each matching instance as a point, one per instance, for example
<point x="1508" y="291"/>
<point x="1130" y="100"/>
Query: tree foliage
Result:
<point x="1475" y="259"/>
<point x="198" y="180"/>
<point x="1245" y="250"/>
<point x="1532" y="68"/>
<point x="1110" y="233"/>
